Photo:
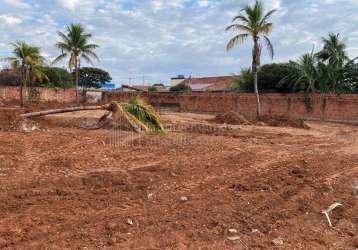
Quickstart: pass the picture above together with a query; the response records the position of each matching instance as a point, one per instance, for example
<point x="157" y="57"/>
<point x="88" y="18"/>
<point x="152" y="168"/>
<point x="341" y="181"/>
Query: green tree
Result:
<point x="93" y="77"/>
<point x="243" y="83"/>
<point x="152" y="89"/>
<point x="269" y="78"/>
<point x="305" y="73"/>
<point x="334" y="50"/>
<point x="57" y="78"/>
<point x="333" y="64"/>
<point x="27" y="60"/>
<point x="253" y="22"/>
<point x="75" y="45"/>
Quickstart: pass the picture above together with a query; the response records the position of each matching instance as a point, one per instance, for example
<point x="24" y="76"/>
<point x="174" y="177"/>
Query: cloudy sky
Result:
<point x="158" y="39"/>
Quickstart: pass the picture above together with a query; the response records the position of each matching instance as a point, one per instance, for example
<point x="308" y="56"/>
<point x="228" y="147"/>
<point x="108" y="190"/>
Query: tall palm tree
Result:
<point x="334" y="50"/>
<point x="75" y="45"/>
<point x="334" y="62"/>
<point x="26" y="60"/>
<point x="253" y="22"/>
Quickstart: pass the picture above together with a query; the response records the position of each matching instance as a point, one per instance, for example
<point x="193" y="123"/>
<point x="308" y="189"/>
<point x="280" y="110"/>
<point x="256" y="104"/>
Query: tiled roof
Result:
<point x="145" y="88"/>
<point x="217" y="83"/>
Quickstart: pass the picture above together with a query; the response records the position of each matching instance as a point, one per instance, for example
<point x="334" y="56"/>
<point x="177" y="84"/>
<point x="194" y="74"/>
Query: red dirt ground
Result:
<point x="70" y="188"/>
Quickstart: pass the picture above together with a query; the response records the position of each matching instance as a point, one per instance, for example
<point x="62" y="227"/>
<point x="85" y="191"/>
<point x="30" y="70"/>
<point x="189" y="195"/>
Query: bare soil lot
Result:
<point x="70" y="188"/>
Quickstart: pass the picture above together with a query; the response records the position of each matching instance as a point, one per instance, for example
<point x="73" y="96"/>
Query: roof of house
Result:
<point x="145" y="88"/>
<point x="217" y="83"/>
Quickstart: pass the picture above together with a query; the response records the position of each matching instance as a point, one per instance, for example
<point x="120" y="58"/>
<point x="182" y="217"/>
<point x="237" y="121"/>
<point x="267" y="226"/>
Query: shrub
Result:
<point x="152" y="89"/>
<point x="181" y="88"/>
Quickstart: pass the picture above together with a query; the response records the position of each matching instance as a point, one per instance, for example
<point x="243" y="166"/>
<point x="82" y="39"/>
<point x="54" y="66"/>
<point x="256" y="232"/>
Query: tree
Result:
<point x="334" y="50"/>
<point x="93" y="77"/>
<point x="27" y="61"/>
<point x="57" y="78"/>
<point x="75" y="45"/>
<point x="333" y="64"/>
<point x="152" y="89"/>
<point x="243" y="83"/>
<point x="253" y="22"/>
<point x="269" y="78"/>
<point x="305" y="73"/>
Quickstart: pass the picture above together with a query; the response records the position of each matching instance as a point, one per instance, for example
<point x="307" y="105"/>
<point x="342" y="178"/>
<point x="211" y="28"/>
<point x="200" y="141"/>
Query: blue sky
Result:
<point x="158" y="39"/>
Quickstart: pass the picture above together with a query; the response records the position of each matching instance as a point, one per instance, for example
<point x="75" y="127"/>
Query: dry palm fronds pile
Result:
<point x="140" y="116"/>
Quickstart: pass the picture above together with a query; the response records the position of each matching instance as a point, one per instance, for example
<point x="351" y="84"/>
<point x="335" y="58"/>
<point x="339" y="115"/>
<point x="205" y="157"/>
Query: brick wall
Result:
<point x="50" y="94"/>
<point x="329" y="107"/>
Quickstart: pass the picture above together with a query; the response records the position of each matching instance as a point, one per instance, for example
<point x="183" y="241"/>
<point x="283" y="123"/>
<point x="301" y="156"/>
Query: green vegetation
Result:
<point x="270" y="77"/>
<point x="143" y="114"/>
<point x="93" y="77"/>
<point x="253" y="23"/>
<point x="75" y="45"/>
<point x="328" y="71"/>
<point x="27" y="62"/>
<point x="183" y="88"/>
<point x="57" y="78"/>
<point x="152" y="89"/>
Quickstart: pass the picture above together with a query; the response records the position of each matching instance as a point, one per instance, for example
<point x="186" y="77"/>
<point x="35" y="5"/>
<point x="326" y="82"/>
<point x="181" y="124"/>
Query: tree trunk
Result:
<point x="21" y="94"/>
<point x="255" y="62"/>
<point x="30" y="89"/>
<point x="65" y="110"/>
<point x="118" y="110"/>
<point x="22" y="86"/>
<point x="77" y="83"/>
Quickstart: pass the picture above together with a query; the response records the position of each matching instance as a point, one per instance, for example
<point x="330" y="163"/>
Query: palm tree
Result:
<point x="75" y="45"/>
<point x="26" y="60"/>
<point x="334" y="63"/>
<point x="36" y="75"/>
<point x="305" y="73"/>
<point x="253" y="22"/>
<point x="334" y="50"/>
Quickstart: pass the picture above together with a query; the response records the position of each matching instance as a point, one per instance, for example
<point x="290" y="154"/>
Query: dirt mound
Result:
<point x="281" y="121"/>
<point x="232" y="118"/>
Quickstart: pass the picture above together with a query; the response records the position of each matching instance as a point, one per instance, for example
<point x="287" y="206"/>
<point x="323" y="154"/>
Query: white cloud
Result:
<point x="162" y="38"/>
<point x="17" y="4"/>
<point x="11" y="20"/>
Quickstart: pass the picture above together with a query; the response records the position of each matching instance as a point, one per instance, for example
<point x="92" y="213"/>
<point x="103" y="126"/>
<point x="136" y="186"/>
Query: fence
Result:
<point x="327" y="107"/>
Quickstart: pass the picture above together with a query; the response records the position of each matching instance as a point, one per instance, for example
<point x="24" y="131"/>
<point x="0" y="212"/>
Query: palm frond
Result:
<point x="59" y="58"/>
<point x="236" y="40"/>
<point x="143" y="114"/>
<point x="87" y="58"/>
<point x="241" y="18"/>
<point x="269" y="46"/>
<point x="239" y="27"/>
<point x="267" y="16"/>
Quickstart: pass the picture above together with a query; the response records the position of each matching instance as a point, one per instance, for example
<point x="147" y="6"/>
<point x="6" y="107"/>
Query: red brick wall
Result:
<point x="51" y="94"/>
<point x="329" y="107"/>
